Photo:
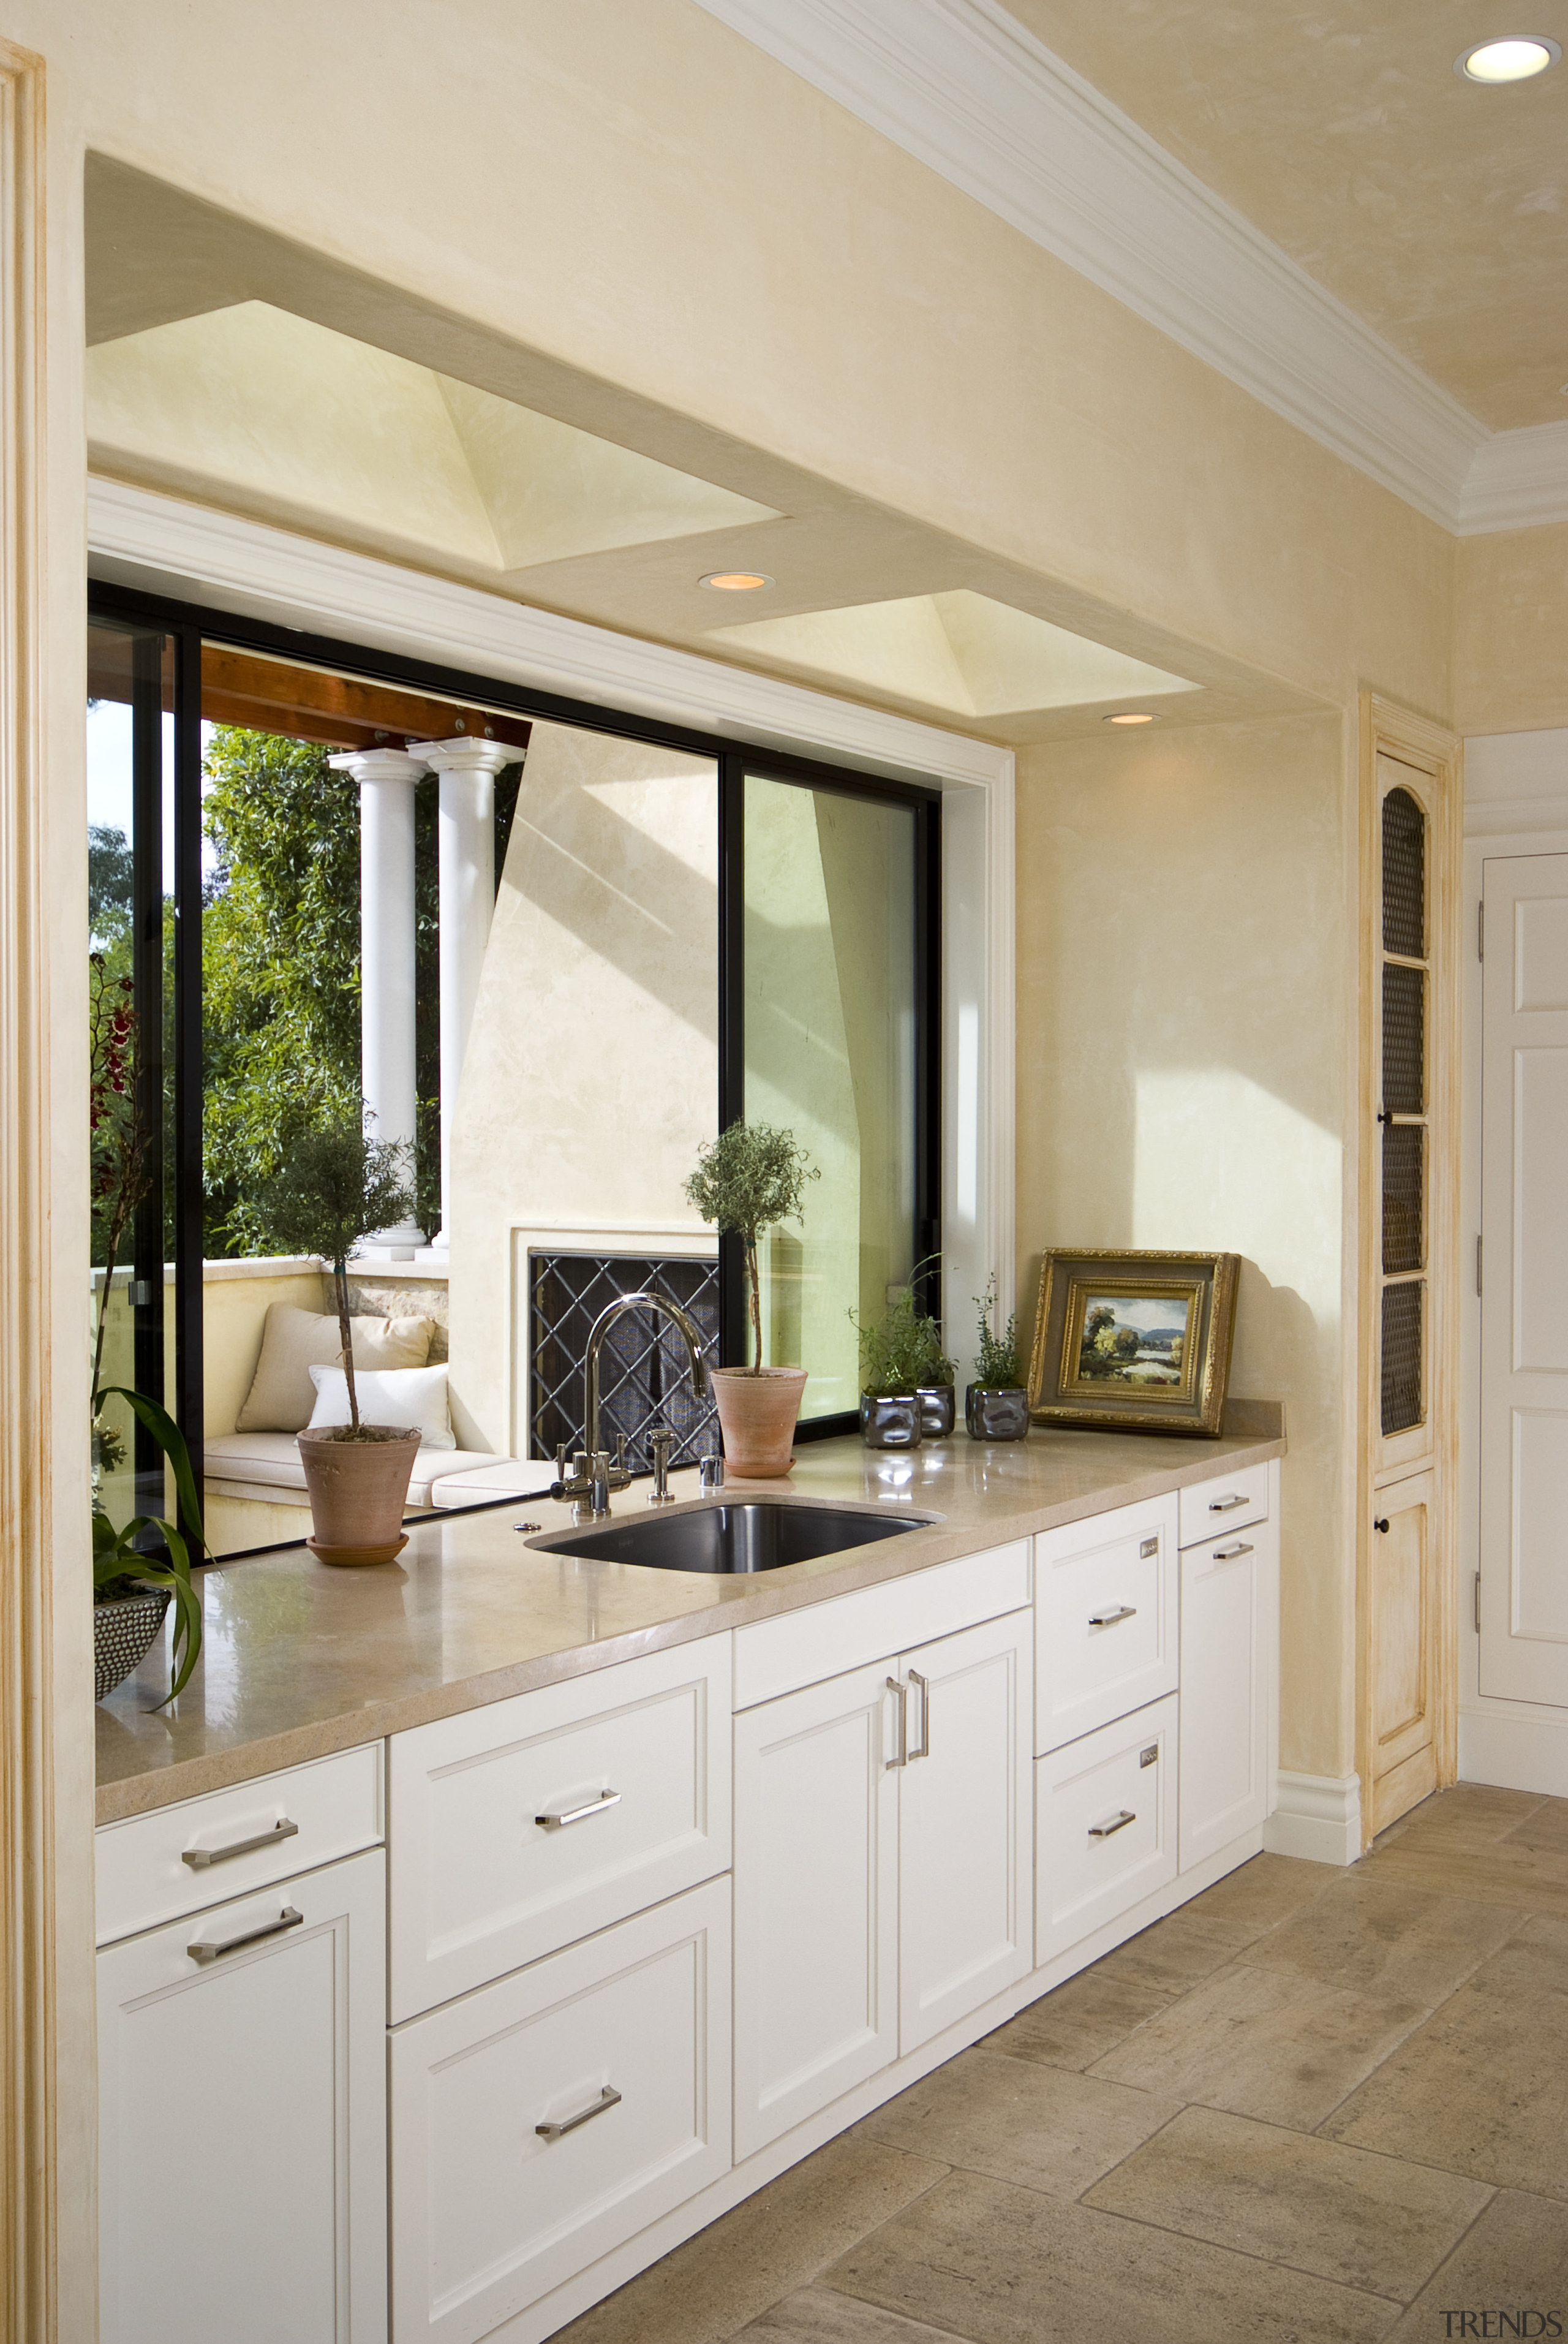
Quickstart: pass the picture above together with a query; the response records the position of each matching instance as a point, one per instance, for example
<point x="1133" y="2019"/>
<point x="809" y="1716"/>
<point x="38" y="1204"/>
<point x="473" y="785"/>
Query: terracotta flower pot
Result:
<point x="757" y="1416"/>
<point x="357" y="1492"/>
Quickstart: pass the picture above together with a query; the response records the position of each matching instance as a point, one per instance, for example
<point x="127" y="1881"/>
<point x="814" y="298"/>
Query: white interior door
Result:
<point x="1524" y="1288"/>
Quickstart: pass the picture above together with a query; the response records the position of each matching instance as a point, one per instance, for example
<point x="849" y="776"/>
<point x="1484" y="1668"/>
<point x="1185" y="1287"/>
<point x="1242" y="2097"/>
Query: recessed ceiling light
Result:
<point x="736" y="581"/>
<point x="1517" y="59"/>
<point x="1133" y="716"/>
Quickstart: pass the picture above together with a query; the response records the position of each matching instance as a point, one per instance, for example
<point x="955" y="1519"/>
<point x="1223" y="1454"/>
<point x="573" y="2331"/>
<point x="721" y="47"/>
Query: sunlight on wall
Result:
<point x="1214" y="1150"/>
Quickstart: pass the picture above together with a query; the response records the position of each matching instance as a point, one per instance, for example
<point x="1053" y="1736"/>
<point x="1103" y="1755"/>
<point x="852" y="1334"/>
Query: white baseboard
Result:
<point x="1518" y="1753"/>
<point x="1318" y="1816"/>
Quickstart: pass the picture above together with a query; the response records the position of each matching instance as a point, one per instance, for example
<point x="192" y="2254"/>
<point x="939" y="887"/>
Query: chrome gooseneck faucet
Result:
<point x="593" y="1477"/>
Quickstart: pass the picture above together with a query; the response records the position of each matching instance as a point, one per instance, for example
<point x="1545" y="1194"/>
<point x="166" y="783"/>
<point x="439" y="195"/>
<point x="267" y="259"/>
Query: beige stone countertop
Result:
<point x="301" y="1659"/>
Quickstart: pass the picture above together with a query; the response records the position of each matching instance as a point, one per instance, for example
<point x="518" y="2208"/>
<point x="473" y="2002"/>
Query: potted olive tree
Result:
<point x="906" y="1379"/>
<point x="337" y="1187"/>
<point x="996" y="1405"/>
<point x="752" y="1177"/>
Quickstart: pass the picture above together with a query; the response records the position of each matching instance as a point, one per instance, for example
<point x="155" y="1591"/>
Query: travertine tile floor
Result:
<point x="1312" y="2105"/>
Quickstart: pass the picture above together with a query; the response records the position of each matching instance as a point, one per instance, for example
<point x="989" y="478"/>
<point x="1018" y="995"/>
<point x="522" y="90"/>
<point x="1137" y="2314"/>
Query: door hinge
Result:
<point x="1480" y="932"/>
<point x="1478" y="1264"/>
<point x="1478" y="1602"/>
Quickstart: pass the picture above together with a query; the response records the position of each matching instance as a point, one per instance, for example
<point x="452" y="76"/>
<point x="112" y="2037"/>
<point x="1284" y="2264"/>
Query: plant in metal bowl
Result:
<point x="125" y="1577"/>
<point x="996" y="1405"/>
<point x="906" y="1378"/>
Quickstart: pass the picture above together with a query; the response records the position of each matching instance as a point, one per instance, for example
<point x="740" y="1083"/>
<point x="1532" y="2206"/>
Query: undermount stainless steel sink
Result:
<point x="750" y="1534"/>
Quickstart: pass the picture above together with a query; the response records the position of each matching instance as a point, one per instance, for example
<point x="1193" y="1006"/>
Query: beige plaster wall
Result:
<point x="1511" y="632"/>
<point x="1183" y="964"/>
<point x="592" y="1077"/>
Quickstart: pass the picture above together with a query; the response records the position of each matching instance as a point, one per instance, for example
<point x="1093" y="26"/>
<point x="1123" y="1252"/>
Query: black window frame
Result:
<point x="192" y="624"/>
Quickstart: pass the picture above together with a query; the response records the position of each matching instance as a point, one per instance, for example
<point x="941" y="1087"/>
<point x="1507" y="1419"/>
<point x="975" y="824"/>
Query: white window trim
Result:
<point x="194" y="554"/>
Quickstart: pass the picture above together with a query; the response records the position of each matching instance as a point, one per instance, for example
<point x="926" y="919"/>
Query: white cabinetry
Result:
<point x="882" y="1824"/>
<point x="542" y="2121"/>
<point x="1106" y="1825"/>
<point x="532" y="1822"/>
<point x="816" y="1901"/>
<point x="1105" y="1617"/>
<point x="1227" y="1630"/>
<point x="242" y="2119"/>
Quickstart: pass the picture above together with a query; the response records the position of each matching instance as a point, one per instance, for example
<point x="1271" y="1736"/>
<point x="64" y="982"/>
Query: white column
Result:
<point x="467" y="831"/>
<point x="387" y="778"/>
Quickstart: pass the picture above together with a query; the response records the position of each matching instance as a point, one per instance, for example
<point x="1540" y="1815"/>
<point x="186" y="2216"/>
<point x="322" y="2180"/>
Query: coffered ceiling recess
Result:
<point x="238" y="371"/>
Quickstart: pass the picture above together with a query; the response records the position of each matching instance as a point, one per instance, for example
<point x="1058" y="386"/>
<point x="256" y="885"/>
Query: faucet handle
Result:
<point x="710" y="1472"/>
<point x="659" y="1443"/>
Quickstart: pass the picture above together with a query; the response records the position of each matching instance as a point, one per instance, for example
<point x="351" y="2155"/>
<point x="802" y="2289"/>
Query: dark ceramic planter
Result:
<point x="996" y="1412"/>
<point x="938" y="1407"/>
<point x="891" y="1420"/>
<point x="124" y="1628"/>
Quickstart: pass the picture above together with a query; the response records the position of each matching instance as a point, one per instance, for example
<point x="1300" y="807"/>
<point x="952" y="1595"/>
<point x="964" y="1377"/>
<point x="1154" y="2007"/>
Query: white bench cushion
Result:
<point x="268" y="1464"/>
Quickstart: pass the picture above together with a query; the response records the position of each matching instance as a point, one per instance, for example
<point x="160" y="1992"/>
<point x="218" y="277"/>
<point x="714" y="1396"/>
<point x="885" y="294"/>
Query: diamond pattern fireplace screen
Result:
<point x="644" y="1379"/>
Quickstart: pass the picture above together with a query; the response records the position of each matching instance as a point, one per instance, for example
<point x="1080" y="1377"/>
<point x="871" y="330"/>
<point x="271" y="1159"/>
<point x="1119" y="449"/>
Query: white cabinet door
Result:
<point x="965" y="1919"/>
<point x="816" y="1901"/>
<point x="242" y="2119"/>
<point x="541" y="2122"/>
<point x="1224" y="1737"/>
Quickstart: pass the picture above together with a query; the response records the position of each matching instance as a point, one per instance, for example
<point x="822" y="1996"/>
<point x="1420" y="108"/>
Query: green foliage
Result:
<point x="334" y="1187"/>
<point x="110" y="866"/>
<point x="118" y="1566"/>
<point x="752" y="1176"/>
<point x="280" y="965"/>
<point x="996" y="1362"/>
<point x="903" y="1352"/>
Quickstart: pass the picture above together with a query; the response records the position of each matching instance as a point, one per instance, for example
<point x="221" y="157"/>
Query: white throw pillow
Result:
<point x="413" y="1399"/>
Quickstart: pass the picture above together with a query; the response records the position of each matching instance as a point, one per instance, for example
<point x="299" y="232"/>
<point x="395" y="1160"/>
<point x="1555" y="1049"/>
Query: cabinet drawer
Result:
<point x="154" y="1867"/>
<point x="531" y="1822"/>
<point x="1229" y="1502"/>
<point x="489" y="2213"/>
<point x="1105" y="1619"/>
<point x="825" y="1640"/>
<point x="1105" y="1824"/>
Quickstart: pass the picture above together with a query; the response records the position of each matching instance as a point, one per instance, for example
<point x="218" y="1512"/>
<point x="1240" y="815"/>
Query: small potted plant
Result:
<point x="752" y="1177"/>
<point x="337" y="1187"/>
<point x="131" y="1587"/>
<point x="996" y="1405"/>
<point x="906" y="1382"/>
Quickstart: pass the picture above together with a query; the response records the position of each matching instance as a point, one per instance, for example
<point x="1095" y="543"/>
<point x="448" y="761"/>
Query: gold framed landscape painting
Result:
<point x="1133" y="1341"/>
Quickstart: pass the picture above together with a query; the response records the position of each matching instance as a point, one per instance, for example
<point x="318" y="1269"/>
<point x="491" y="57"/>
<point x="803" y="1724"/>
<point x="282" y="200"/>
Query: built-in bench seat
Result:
<point x="266" y="1466"/>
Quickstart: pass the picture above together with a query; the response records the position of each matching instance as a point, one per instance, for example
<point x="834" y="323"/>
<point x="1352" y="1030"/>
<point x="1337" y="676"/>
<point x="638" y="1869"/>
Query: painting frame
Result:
<point x="1133" y="1341"/>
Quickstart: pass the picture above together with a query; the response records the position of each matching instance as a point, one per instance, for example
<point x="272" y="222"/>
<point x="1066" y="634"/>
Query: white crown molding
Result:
<point x="1519" y="480"/>
<point x="965" y="88"/>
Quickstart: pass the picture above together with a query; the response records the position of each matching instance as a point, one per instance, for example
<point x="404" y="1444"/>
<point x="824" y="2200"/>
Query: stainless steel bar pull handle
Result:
<point x="573" y="1811"/>
<point x="903" y="1694"/>
<point x="1227" y="1505"/>
<point x="1117" y="1823"/>
<point x="1110" y="1618"/>
<point x="925" y="1685"/>
<point x="199" y="1858"/>
<point x="1229" y="1553"/>
<point x="287" y="1919"/>
<point x="609" y="2098"/>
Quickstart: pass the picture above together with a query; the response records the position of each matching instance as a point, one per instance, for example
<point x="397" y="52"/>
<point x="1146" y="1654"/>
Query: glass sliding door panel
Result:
<point x="131" y="939"/>
<point x="830" y="1041"/>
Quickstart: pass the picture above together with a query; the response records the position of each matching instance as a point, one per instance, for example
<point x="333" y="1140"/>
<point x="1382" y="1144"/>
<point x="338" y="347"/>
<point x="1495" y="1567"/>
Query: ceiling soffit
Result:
<point x="967" y="89"/>
<point x="290" y="390"/>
